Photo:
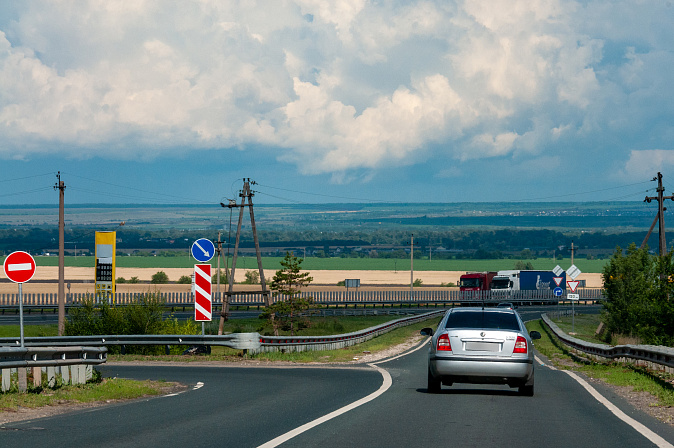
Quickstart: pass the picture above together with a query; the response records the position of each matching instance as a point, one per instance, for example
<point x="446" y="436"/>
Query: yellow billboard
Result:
<point x="105" y="265"/>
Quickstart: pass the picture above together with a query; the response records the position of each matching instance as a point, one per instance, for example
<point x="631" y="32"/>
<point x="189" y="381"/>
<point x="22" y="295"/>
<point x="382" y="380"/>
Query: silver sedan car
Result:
<point x="481" y="346"/>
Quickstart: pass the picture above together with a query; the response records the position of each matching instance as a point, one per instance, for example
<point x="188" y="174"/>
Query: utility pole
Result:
<point x="572" y="251"/>
<point x="245" y="194"/>
<point x="661" y="214"/>
<point x="412" y="264"/>
<point x="61" y="186"/>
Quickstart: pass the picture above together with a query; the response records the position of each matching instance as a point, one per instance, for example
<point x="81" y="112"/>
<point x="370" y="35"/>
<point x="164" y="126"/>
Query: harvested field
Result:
<point x="323" y="279"/>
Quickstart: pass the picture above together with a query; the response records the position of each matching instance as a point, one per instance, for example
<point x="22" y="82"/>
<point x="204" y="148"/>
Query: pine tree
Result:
<point x="286" y="285"/>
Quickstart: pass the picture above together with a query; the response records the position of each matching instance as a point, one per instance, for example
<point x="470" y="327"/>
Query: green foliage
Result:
<point x="159" y="278"/>
<point x="252" y="278"/>
<point x="341" y="283"/>
<point x="184" y="280"/>
<point x="120" y="280"/>
<point x="286" y="286"/>
<point x="134" y="280"/>
<point x="223" y="278"/>
<point x="417" y="282"/>
<point x="448" y="284"/>
<point x="145" y="315"/>
<point x="524" y="266"/>
<point x="639" y="292"/>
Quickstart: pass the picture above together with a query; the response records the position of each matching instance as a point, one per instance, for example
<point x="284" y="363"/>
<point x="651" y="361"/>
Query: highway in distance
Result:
<point x="251" y="406"/>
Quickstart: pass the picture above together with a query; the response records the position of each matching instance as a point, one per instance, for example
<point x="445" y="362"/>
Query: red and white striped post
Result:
<point x="202" y="293"/>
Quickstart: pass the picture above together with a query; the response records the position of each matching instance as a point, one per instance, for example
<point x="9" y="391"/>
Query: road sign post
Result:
<point x="202" y="294"/>
<point x="19" y="267"/>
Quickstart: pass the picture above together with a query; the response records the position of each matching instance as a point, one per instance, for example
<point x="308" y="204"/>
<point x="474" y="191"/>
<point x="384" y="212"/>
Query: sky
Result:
<point x="151" y="101"/>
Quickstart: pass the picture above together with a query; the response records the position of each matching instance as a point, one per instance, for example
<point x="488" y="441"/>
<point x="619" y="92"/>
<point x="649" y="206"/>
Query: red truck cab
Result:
<point x="476" y="281"/>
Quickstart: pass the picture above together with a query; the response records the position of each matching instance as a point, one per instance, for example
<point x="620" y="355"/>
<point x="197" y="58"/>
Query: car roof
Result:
<point x="479" y="308"/>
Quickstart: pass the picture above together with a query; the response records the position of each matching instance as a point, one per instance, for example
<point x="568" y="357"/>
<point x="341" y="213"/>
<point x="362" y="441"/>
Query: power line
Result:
<point x="322" y="195"/>
<point x="27" y="177"/>
<point x="583" y="192"/>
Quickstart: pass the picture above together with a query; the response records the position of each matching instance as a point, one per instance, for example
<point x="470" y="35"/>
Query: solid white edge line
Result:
<point x="650" y="435"/>
<point x="299" y="430"/>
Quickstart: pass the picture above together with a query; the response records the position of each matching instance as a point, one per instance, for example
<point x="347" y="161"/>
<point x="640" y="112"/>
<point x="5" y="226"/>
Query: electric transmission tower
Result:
<point x="246" y="195"/>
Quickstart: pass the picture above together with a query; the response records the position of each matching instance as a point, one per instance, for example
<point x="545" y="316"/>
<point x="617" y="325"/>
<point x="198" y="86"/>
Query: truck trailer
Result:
<point x="514" y="280"/>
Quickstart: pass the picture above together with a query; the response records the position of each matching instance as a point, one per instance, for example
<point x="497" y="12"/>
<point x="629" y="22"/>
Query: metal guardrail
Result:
<point x="335" y="342"/>
<point x="655" y="356"/>
<point x="239" y="341"/>
<point x="41" y="356"/>
<point x="253" y="342"/>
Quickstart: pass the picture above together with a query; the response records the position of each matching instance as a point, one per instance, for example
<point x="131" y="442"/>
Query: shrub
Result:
<point x="185" y="280"/>
<point x="120" y="280"/>
<point x="252" y="278"/>
<point x="134" y="280"/>
<point x="159" y="278"/>
<point x="145" y="315"/>
<point x="417" y="282"/>
<point x="223" y="278"/>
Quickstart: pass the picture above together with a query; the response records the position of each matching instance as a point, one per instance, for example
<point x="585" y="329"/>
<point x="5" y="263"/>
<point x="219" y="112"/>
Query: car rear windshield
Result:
<point x="483" y="319"/>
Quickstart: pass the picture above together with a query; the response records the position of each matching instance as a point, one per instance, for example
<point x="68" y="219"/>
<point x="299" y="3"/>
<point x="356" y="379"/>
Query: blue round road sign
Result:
<point x="558" y="291"/>
<point x="203" y="250"/>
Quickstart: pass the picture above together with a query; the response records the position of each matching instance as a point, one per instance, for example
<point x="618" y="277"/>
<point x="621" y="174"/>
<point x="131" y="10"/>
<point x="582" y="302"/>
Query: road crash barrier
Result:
<point x="654" y="357"/>
<point x="73" y="364"/>
<point x="286" y="344"/>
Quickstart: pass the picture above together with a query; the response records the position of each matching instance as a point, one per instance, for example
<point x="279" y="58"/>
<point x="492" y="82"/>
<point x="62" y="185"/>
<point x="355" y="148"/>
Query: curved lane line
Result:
<point x="643" y="430"/>
<point x="297" y="431"/>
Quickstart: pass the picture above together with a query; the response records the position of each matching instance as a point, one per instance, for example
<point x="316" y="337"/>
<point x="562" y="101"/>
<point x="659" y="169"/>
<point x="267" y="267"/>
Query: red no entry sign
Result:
<point x="202" y="293"/>
<point x="19" y="267"/>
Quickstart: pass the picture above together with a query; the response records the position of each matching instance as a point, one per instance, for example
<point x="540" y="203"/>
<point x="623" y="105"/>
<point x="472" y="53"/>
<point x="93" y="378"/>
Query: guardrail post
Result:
<point x="37" y="376"/>
<point x="23" y="380"/>
<point x="51" y="376"/>
<point x="6" y="379"/>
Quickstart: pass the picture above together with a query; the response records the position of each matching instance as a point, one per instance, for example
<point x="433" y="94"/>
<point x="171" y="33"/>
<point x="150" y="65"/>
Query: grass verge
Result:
<point x="105" y="390"/>
<point x="637" y="378"/>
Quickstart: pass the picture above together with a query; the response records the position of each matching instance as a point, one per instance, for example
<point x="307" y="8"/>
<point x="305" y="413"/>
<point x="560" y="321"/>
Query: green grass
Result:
<point x="639" y="379"/>
<point x="108" y="389"/>
<point x="312" y="263"/>
<point x="29" y="331"/>
<point x="583" y="325"/>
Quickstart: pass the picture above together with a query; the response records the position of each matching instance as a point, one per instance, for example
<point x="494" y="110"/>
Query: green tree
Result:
<point x="522" y="266"/>
<point x="184" y="280"/>
<point x="159" y="277"/>
<point x="286" y="285"/>
<point x="252" y="278"/>
<point x="639" y="293"/>
<point x="223" y="278"/>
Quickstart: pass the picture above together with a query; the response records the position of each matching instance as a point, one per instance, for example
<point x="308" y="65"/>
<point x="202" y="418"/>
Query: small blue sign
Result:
<point x="203" y="250"/>
<point x="558" y="291"/>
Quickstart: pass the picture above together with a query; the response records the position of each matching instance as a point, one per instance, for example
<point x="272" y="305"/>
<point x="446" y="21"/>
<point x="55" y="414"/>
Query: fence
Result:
<point x="651" y="356"/>
<point x="327" y="298"/>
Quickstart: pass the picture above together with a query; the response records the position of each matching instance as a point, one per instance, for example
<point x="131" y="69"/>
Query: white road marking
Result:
<point x="643" y="430"/>
<point x="297" y="431"/>
<point x="540" y="361"/>
<point x="422" y="345"/>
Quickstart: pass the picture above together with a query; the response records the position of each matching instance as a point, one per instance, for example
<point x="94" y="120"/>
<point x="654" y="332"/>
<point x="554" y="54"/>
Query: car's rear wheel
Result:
<point x="527" y="391"/>
<point x="434" y="385"/>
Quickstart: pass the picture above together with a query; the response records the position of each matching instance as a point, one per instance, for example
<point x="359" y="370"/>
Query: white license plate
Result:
<point x="482" y="346"/>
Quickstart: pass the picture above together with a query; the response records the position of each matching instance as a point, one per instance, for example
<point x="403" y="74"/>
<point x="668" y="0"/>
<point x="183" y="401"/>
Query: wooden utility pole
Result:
<point x="660" y="216"/>
<point x="61" y="186"/>
<point x="246" y="194"/>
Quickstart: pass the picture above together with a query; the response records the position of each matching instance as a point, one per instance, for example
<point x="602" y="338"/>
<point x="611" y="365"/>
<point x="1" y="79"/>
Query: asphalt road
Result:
<point x="248" y="407"/>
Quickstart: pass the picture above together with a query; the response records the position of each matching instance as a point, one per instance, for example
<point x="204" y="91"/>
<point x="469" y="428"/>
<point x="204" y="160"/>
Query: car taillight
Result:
<point x="443" y="343"/>
<point x="520" y="345"/>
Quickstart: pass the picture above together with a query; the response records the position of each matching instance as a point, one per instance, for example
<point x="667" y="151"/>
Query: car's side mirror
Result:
<point x="427" y="331"/>
<point x="534" y="335"/>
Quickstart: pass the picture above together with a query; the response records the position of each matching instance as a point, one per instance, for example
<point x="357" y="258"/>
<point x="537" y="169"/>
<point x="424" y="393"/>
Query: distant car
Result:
<point x="481" y="346"/>
<point x="507" y="305"/>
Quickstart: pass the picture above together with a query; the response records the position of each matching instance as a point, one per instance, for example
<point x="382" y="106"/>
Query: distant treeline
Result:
<point x="451" y="243"/>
